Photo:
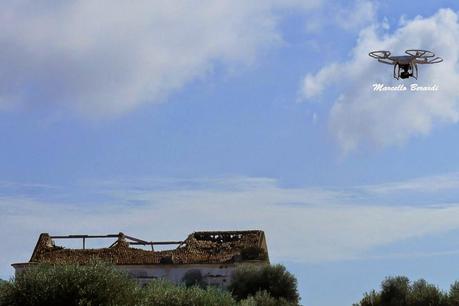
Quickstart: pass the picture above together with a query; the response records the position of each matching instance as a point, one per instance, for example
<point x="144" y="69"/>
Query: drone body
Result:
<point x="406" y="66"/>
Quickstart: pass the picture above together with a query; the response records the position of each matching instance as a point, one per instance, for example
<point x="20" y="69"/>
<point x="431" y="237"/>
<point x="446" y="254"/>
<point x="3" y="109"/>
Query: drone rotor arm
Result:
<point x="421" y="61"/>
<point x="387" y="61"/>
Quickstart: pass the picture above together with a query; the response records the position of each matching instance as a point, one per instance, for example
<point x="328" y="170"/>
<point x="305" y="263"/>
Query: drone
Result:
<point x="406" y="66"/>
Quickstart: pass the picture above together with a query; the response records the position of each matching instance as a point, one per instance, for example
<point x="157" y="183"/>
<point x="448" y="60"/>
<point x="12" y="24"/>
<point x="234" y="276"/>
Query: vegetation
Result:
<point x="263" y="298"/>
<point x="164" y="293"/>
<point x="274" y="280"/>
<point x="399" y="291"/>
<point x="56" y="285"/>
<point x="102" y="284"/>
<point x="193" y="278"/>
<point x="3" y="287"/>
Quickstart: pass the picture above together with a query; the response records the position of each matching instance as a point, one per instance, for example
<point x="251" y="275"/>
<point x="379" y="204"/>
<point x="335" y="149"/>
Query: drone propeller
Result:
<point x="429" y="61"/>
<point x="436" y="60"/>
<point x="420" y="53"/>
<point x="379" y="54"/>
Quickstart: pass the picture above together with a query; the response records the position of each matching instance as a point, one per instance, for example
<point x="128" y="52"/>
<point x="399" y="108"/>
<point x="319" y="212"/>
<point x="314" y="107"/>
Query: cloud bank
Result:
<point x="104" y="58"/>
<point x="361" y="117"/>
<point x="307" y="225"/>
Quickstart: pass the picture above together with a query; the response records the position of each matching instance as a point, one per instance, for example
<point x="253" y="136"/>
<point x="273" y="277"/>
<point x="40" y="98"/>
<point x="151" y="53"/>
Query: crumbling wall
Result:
<point x="198" y="248"/>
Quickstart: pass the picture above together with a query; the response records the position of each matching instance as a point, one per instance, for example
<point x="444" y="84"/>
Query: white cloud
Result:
<point x="356" y="15"/>
<point x="432" y="184"/>
<point x="107" y="57"/>
<point x="314" y="85"/>
<point x="351" y="16"/>
<point x="361" y="116"/>
<point x="307" y="225"/>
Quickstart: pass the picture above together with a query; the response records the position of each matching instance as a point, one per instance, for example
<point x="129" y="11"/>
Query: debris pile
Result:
<point x="198" y="248"/>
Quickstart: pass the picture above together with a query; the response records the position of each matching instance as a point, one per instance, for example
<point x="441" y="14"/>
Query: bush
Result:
<point x="423" y="293"/>
<point x="103" y="285"/>
<point x="275" y="280"/>
<point x="3" y="290"/>
<point x="3" y="284"/>
<point x="164" y="293"/>
<point x="262" y="298"/>
<point x="370" y="299"/>
<point x="395" y="291"/>
<point x="399" y="291"/>
<point x="453" y="298"/>
<point x="193" y="278"/>
<point x="70" y="284"/>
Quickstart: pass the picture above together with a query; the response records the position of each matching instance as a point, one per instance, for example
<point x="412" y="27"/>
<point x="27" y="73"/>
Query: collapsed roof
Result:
<point x="216" y="247"/>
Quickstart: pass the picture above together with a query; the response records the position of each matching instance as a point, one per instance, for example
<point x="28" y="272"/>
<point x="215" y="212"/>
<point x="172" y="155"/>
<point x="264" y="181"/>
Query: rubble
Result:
<point x="218" y="247"/>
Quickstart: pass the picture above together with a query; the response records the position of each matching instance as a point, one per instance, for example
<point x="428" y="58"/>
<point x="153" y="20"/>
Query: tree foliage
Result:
<point x="395" y="291"/>
<point x="453" y="296"/>
<point x="275" y="280"/>
<point x="263" y="298"/>
<point x="56" y="285"/>
<point x="193" y="278"/>
<point x="399" y="291"/>
<point x="164" y="293"/>
<point x="103" y="285"/>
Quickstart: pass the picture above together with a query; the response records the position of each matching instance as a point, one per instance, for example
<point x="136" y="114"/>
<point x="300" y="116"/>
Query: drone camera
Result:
<point x="405" y="75"/>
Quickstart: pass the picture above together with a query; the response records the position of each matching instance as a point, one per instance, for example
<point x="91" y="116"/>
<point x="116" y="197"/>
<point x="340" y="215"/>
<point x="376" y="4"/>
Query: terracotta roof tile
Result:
<point x="199" y="248"/>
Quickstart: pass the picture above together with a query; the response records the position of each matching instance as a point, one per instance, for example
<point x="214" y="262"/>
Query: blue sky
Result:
<point x="162" y="119"/>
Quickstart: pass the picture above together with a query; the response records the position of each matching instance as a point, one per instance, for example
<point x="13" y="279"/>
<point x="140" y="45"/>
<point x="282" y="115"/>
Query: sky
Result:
<point x="158" y="119"/>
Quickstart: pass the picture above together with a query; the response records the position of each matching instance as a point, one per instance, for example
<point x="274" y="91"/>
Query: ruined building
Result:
<point x="212" y="256"/>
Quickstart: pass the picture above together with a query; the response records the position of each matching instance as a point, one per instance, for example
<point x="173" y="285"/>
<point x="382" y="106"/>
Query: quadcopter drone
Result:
<point x="407" y="63"/>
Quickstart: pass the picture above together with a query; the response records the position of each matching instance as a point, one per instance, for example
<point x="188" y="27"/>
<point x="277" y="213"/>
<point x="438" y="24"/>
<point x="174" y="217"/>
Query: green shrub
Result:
<point x="453" y="297"/>
<point x="164" y="293"/>
<point x="103" y="285"/>
<point x="370" y="299"/>
<point x="263" y="298"/>
<point x="399" y="291"/>
<point x="193" y="278"/>
<point x="395" y="291"/>
<point x="423" y="293"/>
<point x="275" y="280"/>
<point x="210" y="296"/>
<point x="4" y="286"/>
<point x="71" y="284"/>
